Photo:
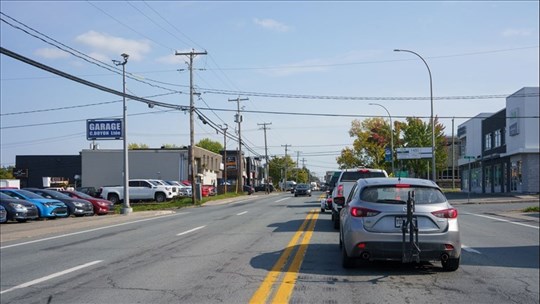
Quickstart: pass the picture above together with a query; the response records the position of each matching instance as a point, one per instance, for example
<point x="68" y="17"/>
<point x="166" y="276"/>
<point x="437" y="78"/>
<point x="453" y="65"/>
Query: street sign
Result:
<point x="387" y="154"/>
<point x="413" y="153"/>
<point x="103" y="129"/>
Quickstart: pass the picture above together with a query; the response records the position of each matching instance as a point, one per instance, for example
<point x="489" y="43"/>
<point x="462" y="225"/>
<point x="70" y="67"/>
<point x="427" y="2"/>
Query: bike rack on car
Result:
<point x="410" y="249"/>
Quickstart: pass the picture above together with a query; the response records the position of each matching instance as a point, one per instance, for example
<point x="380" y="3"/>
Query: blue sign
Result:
<point x="103" y="129"/>
<point x="388" y="154"/>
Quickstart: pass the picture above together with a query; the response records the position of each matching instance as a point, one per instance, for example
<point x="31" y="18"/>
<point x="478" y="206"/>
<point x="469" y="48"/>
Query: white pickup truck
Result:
<point x="343" y="187"/>
<point x="139" y="189"/>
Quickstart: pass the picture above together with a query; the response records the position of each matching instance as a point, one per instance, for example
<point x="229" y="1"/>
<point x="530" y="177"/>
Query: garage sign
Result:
<point x="103" y="129"/>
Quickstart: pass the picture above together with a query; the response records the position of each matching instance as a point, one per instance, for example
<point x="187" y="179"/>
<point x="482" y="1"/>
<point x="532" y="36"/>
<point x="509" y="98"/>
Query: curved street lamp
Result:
<point x="391" y="132"/>
<point x="431" y="117"/>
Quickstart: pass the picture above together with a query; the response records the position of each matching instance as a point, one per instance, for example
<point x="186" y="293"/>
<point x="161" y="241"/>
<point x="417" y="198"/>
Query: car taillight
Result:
<point x="363" y="212"/>
<point x="340" y="190"/>
<point x="446" y="213"/>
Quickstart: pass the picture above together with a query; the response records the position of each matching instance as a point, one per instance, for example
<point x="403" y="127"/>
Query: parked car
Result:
<point x="174" y="188"/>
<point x="101" y="206"/>
<point x="47" y="208"/>
<point x="3" y="214"/>
<point x="76" y="206"/>
<point x="263" y="188"/>
<point x="403" y="219"/>
<point x="92" y="191"/>
<point x="249" y="189"/>
<point x="183" y="190"/>
<point x="18" y="209"/>
<point x="302" y="189"/>
<point x="208" y="190"/>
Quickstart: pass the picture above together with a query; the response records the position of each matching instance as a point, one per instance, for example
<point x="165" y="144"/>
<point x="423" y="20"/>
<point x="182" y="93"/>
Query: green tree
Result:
<point x="417" y="133"/>
<point x="135" y="146"/>
<point x="277" y="167"/>
<point x="7" y="172"/>
<point x="372" y="136"/>
<point x="169" y="146"/>
<point x="210" y="145"/>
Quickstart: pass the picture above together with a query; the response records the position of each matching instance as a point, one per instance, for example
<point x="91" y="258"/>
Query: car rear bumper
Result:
<point x="389" y="246"/>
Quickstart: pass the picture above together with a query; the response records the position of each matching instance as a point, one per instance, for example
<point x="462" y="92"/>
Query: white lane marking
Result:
<point x="51" y="276"/>
<point x="281" y="200"/>
<point x="194" y="229"/>
<point x="242" y="213"/>
<point x="503" y="220"/>
<point x="85" y="231"/>
<point x="469" y="249"/>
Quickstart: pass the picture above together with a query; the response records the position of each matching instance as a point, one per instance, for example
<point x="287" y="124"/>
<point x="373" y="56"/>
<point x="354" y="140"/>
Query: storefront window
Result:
<point x="487" y="178"/>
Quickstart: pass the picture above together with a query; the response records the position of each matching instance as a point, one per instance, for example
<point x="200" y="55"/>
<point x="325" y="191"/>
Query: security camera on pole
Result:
<point x="126" y="209"/>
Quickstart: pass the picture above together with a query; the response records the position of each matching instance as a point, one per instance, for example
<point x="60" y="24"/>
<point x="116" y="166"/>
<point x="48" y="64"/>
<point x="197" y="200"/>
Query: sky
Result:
<point x="307" y="67"/>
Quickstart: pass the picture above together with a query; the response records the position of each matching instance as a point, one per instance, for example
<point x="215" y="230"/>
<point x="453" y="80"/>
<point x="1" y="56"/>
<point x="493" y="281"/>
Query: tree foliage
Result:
<point x="372" y="136"/>
<point x="6" y="172"/>
<point x="135" y="146"/>
<point x="277" y="168"/>
<point x="210" y="145"/>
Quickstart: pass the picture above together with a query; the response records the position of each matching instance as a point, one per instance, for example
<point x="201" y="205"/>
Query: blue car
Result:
<point x="47" y="208"/>
<point x="3" y="214"/>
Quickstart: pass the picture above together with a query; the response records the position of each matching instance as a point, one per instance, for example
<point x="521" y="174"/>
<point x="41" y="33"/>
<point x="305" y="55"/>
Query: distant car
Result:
<point x="18" y="209"/>
<point x="208" y="190"/>
<point x="249" y="189"/>
<point x="101" y="206"/>
<point x="302" y="189"/>
<point x="47" y="208"/>
<point x="326" y="204"/>
<point x="183" y="190"/>
<point x="3" y="214"/>
<point x="403" y="219"/>
<point x="76" y="206"/>
<point x="263" y="188"/>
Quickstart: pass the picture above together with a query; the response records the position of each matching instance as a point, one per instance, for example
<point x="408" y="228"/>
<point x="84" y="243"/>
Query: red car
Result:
<point x="101" y="206"/>
<point x="208" y="190"/>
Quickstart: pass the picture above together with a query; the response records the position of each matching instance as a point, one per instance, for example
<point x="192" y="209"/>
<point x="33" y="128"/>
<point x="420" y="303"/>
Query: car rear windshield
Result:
<point x="400" y="195"/>
<point x="353" y="176"/>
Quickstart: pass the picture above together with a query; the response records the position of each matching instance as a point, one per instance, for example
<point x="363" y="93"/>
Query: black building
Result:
<point x="62" y="169"/>
<point x="496" y="168"/>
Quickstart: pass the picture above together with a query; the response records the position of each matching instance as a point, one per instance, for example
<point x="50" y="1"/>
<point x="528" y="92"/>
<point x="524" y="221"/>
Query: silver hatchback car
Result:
<point x="403" y="219"/>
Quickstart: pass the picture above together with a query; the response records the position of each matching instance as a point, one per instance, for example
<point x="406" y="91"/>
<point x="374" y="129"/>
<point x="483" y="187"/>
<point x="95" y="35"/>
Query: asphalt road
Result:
<point x="263" y="249"/>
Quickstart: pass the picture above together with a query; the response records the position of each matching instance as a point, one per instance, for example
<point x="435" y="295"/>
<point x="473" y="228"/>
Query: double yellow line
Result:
<point x="282" y="290"/>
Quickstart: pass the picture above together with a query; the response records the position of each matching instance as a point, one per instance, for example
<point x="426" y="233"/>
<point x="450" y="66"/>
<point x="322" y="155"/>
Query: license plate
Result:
<point x="399" y="221"/>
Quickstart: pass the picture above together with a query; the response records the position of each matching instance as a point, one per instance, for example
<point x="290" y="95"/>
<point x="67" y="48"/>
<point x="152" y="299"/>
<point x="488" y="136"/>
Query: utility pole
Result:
<point x="297" y="164"/>
<point x="126" y="208"/>
<point x="191" y="55"/>
<point x="224" y="129"/>
<point x="238" y="119"/>
<point x="285" y="163"/>
<point x="266" y="168"/>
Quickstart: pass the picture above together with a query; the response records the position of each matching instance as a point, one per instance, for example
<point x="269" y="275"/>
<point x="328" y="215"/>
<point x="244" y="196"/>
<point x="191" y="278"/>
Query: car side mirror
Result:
<point x="340" y="200"/>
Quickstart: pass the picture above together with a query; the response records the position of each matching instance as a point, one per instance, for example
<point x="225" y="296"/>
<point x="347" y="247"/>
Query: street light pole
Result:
<point x="126" y="208"/>
<point x="433" y="177"/>
<point x="391" y="132"/>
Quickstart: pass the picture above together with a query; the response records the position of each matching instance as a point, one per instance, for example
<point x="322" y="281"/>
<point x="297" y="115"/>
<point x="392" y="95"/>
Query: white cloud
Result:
<point x="112" y="47"/>
<point x="271" y="24"/>
<point x="51" y="53"/>
<point x="516" y="32"/>
<point x="172" y="59"/>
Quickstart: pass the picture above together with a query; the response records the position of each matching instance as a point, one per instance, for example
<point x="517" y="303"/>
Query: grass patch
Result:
<point x="177" y="203"/>
<point x="532" y="209"/>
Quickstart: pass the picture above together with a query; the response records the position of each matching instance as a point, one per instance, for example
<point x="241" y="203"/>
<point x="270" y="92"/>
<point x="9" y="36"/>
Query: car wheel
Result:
<point x="295" y="195"/>
<point x="346" y="261"/>
<point x="450" y="264"/>
<point x="113" y="198"/>
<point x="322" y="210"/>
<point x="336" y="222"/>
<point x="21" y="220"/>
<point x="160" y="197"/>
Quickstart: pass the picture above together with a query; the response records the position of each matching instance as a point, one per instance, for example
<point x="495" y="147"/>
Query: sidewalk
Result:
<point x="484" y="198"/>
